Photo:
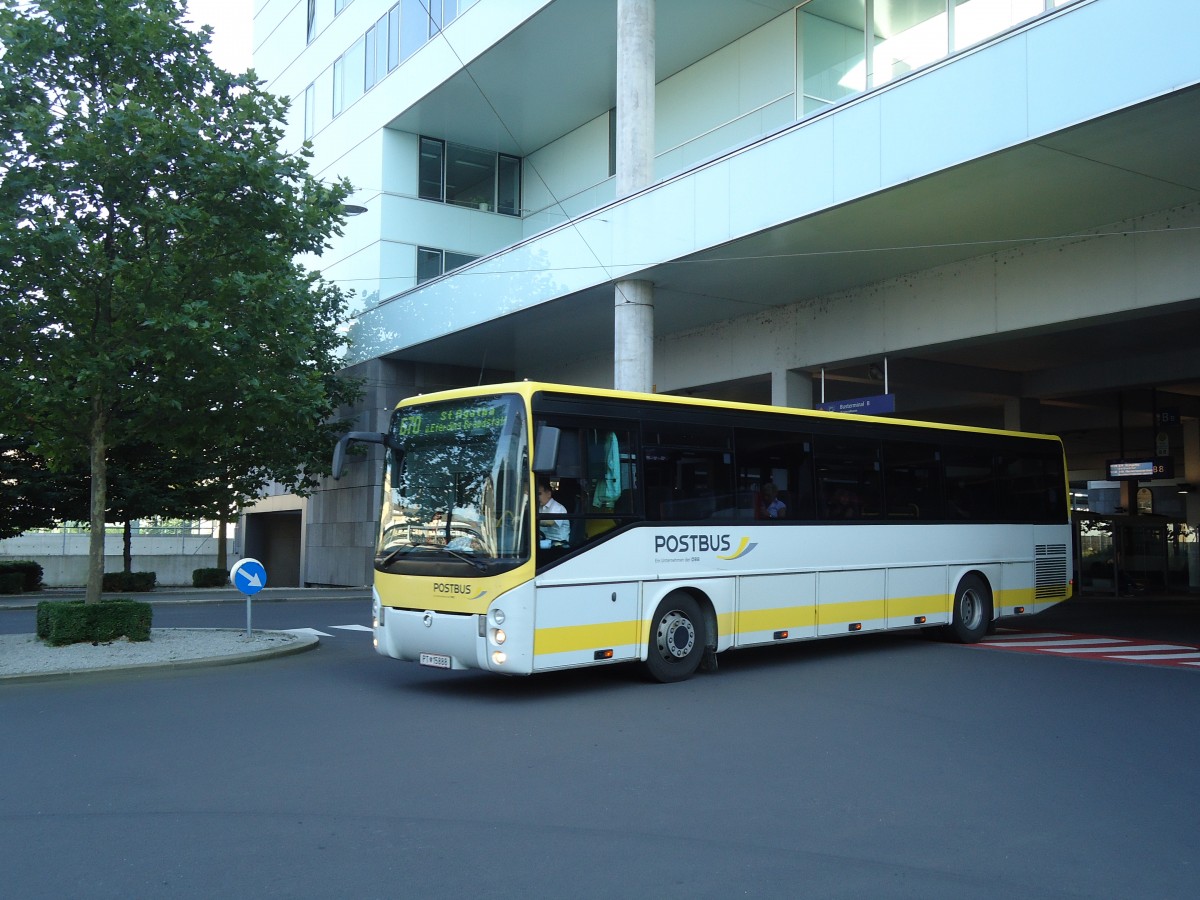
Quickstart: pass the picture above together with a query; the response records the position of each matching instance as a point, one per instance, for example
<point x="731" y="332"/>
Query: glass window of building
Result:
<point x="430" y="169"/>
<point x="906" y="35"/>
<point x="467" y="176"/>
<point x="381" y="48"/>
<point x="369" y="75"/>
<point x="311" y="28"/>
<point x="310" y="111"/>
<point x="832" y="52"/>
<point x="432" y="263"/>
<point x="903" y="35"/>
<point x="353" y="84"/>
<point x="976" y="20"/>
<point x="414" y="27"/>
<point x="393" y="37"/>
<point x="339" y="68"/>
<point x="508" y="186"/>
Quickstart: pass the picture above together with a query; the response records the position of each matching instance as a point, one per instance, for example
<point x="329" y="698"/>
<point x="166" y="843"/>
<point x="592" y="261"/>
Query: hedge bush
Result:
<point x="12" y="582"/>
<point x="209" y="578"/>
<point x="30" y="572"/>
<point x="61" y="622"/>
<point x="134" y="582"/>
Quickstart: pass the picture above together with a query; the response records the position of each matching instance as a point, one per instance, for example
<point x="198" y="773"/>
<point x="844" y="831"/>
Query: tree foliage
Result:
<point x="150" y="292"/>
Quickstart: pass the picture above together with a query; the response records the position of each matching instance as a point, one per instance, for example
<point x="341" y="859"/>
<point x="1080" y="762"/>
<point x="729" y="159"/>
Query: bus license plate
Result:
<point x="437" y="660"/>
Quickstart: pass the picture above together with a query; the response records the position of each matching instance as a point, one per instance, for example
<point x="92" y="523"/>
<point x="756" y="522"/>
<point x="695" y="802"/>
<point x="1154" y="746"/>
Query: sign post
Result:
<point x="249" y="576"/>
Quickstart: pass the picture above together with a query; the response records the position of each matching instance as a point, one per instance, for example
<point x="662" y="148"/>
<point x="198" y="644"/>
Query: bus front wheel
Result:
<point x="972" y="610"/>
<point x="677" y="639"/>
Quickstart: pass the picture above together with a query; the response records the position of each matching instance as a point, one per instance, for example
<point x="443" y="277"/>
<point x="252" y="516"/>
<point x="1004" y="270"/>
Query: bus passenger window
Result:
<point x="773" y="463"/>
<point x="848" y="477"/>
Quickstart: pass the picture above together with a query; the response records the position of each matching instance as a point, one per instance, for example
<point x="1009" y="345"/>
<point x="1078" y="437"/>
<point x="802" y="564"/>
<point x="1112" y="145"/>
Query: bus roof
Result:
<point x="528" y="389"/>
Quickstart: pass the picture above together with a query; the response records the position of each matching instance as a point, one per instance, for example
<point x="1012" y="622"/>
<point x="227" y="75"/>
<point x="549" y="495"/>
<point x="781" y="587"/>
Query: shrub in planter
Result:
<point x="72" y="622"/>
<point x="12" y="582"/>
<point x="30" y="571"/>
<point x="134" y="582"/>
<point x="209" y="578"/>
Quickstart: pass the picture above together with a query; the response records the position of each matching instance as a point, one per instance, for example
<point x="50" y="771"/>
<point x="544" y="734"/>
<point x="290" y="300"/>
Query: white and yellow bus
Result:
<point x="682" y="528"/>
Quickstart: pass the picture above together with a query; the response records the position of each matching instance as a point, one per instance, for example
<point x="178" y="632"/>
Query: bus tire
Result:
<point x="972" y="610"/>
<point x="677" y="639"/>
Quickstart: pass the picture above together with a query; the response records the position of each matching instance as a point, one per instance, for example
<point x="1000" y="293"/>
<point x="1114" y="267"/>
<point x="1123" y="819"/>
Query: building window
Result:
<point x="466" y="176"/>
<point x="339" y="5"/>
<point x="847" y="48"/>
<point x="433" y="263"/>
<point x="311" y="31"/>
<point x="310" y="111"/>
<point x="339" y="70"/>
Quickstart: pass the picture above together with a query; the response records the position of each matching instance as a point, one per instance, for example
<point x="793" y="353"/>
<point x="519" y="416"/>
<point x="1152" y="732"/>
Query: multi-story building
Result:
<point x="987" y="209"/>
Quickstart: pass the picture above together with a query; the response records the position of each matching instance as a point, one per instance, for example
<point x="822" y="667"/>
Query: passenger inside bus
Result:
<point x="770" y="504"/>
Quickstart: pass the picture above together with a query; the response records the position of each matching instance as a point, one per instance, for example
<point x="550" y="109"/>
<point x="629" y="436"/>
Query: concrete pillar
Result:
<point x="633" y="347"/>
<point x="1191" y="475"/>
<point x="790" y="388"/>
<point x="633" y="314"/>
<point x="1023" y="414"/>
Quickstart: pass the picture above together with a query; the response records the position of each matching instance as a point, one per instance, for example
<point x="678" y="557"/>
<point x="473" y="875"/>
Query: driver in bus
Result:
<point x="553" y="532"/>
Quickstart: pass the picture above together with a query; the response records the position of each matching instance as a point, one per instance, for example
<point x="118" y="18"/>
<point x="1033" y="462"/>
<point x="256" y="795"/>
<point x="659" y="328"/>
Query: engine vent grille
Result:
<point x="1050" y="571"/>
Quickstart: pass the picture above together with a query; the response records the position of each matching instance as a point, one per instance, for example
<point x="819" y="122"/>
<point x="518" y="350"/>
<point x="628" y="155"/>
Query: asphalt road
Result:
<point x="878" y="766"/>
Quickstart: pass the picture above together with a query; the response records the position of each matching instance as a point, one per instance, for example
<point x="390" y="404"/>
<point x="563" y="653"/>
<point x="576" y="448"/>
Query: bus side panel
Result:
<point x="610" y="612"/>
<point x="918" y="596"/>
<point x="846" y="599"/>
<point x="770" y="604"/>
<point x="1014" y="590"/>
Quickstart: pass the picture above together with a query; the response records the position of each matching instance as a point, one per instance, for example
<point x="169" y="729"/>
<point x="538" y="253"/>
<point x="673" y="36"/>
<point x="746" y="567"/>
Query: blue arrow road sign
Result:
<point x="248" y="575"/>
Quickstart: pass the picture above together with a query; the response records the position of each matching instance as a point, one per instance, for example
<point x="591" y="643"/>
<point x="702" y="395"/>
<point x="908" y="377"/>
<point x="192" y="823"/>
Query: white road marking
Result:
<point x="352" y="627"/>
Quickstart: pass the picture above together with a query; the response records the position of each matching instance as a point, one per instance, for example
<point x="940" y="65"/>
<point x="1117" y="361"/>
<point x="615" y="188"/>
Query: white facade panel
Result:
<point x="1092" y="60"/>
<point x="957" y="112"/>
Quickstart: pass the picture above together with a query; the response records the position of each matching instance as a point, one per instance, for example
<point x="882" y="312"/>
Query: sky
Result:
<point x="232" y="23"/>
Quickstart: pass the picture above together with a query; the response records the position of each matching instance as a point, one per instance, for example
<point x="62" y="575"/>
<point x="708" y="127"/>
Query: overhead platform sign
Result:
<point x="866" y="406"/>
<point x="1141" y="469"/>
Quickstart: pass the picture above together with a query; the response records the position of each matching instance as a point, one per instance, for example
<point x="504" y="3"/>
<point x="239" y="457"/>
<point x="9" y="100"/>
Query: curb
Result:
<point x="301" y="644"/>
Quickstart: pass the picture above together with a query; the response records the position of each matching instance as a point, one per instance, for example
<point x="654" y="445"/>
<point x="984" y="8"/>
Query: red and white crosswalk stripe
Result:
<point x="1089" y="646"/>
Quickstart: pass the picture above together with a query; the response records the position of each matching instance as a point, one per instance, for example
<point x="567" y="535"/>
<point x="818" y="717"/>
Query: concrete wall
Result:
<point x="64" y="557"/>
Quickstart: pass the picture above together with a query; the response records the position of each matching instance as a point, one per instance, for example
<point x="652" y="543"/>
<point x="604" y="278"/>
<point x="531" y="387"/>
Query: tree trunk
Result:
<point x="127" y="549"/>
<point x="222" y="549"/>
<point x="99" y="468"/>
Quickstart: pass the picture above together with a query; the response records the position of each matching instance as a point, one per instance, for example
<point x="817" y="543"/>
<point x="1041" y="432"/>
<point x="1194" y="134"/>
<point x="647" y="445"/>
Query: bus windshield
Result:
<point x="456" y="489"/>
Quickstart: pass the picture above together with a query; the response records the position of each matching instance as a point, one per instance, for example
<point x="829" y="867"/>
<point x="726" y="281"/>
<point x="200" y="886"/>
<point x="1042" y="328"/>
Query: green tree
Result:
<point x="31" y="494"/>
<point x="148" y="251"/>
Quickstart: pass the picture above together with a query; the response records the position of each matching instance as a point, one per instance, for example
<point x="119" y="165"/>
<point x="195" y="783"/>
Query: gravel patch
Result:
<point x="25" y="654"/>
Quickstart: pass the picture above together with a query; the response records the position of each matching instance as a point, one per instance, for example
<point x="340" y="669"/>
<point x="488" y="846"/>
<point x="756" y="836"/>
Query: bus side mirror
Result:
<point x="339" y="451"/>
<point x="545" y="449"/>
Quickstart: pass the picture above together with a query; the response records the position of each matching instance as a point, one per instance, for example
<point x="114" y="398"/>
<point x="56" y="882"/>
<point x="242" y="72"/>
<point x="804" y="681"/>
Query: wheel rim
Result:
<point x="676" y="636"/>
<point x="970" y="608"/>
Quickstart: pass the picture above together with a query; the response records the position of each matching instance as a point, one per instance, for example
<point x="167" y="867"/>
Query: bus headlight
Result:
<point x="498" y="635"/>
<point x="499" y="657"/>
<point x="498" y="616"/>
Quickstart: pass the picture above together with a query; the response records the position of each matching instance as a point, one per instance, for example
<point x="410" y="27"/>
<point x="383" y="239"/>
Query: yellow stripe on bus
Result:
<point x="571" y="638"/>
<point x="576" y="638"/>
<point x="911" y="607"/>
<point x="750" y="620"/>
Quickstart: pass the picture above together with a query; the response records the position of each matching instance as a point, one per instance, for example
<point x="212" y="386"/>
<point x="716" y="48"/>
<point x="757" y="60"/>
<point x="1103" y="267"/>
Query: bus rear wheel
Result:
<point x="972" y="610"/>
<point x="677" y="639"/>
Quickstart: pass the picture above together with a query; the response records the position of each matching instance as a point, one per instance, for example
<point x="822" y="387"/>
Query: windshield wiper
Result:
<point x="399" y="551"/>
